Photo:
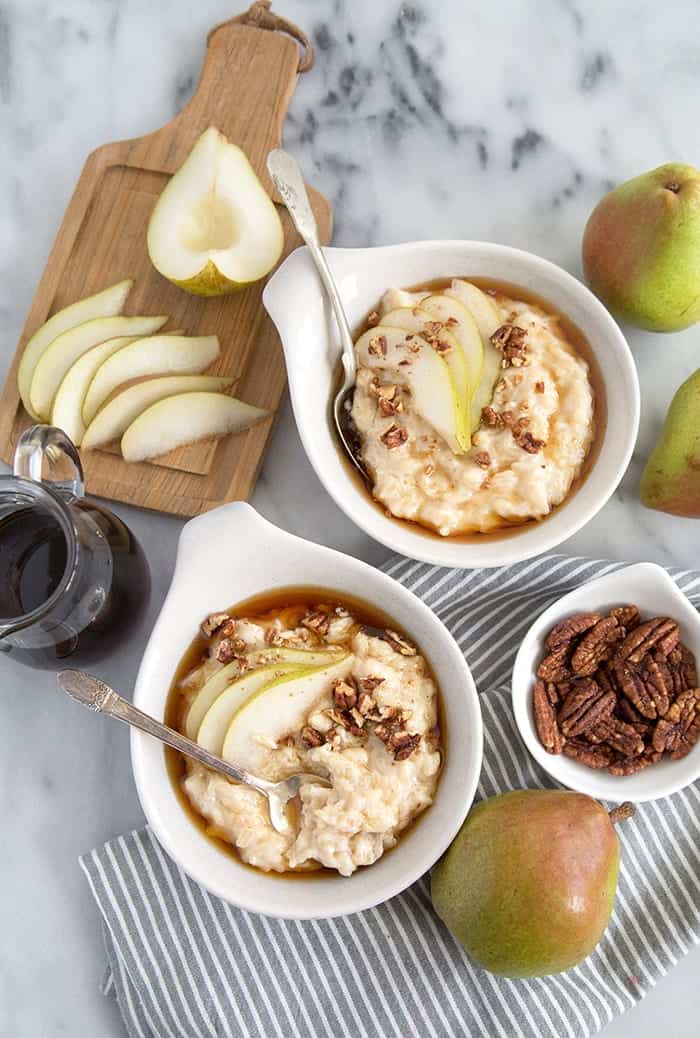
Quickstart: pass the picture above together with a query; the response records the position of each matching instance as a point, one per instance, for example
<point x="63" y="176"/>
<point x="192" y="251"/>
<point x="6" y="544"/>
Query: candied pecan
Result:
<point x="482" y="459"/>
<point x="344" y="694"/>
<point x="388" y="408"/>
<point x="679" y="730"/>
<point x="590" y="650"/>
<point x="553" y="693"/>
<point x="622" y="812"/>
<point x="357" y="718"/>
<point x="554" y="667"/>
<point x="591" y="756"/>
<point x="628" y="713"/>
<point x="590" y="713"/>
<point x="620" y="736"/>
<point x="583" y="694"/>
<point x="366" y="702"/>
<point x="406" y="746"/>
<point x="563" y="632"/>
<point x="626" y="615"/>
<point x="688" y="669"/>
<point x="394" y="436"/>
<point x="660" y="631"/>
<point x="529" y="443"/>
<point x="658" y="679"/>
<point x="399" y="644"/>
<point x="546" y="720"/>
<point x="539" y="387"/>
<point x="378" y="346"/>
<point x="631" y="765"/>
<point x="213" y="623"/>
<point x="312" y="737"/>
<point x="316" y="621"/>
<point x="631" y="685"/>
<point x="604" y="679"/>
<point x="369" y="683"/>
<point x="510" y="340"/>
<point x="226" y="650"/>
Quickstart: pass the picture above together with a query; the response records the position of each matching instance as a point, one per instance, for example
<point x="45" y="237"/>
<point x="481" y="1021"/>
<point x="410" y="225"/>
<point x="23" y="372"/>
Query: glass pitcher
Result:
<point x="73" y="579"/>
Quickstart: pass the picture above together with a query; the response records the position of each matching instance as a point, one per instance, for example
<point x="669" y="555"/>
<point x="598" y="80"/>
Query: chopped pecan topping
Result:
<point x="403" y="745"/>
<point x="489" y="416"/>
<point x="344" y="694"/>
<point x="546" y="719"/>
<point x="317" y="621"/>
<point x="369" y="683"/>
<point x="395" y="436"/>
<point x="510" y="340"/>
<point x="312" y="737"/>
<point x="226" y="650"/>
<point x="539" y="387"/>
<point x="482" y="459"/>
<point x="366" y="702"/>
<point x="378" y="346"/>
<point x="213" y="623"/>
<point x="388" y="408"/>
<point x="373" y="319"/>
<point x="399" y="644"/>
<point x="383" y="390"/>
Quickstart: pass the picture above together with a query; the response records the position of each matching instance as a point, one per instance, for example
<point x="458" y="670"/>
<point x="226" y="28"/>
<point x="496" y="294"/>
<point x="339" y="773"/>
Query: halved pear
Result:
<point x="276" y="710"/>
<point x="214" y="228"/>
<point x="107" y="303"/>
<point x="413" y="362"/>
<point x="112" y="420"/>
<point x="211" y="731"/>
<point x="460" y="322"/>
<point x="488" y="319"/>
<point x="62" y="353"/>
<point x="414" y="319"/>
<point x="155" y="355"/>
<point x="184" y="419"/>
<point x="67" y="410"/>
<point x="295" y="659"/>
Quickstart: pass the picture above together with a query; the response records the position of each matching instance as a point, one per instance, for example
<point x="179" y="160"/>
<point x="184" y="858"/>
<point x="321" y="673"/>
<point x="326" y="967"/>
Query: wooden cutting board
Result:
<point x="250" y="71"/>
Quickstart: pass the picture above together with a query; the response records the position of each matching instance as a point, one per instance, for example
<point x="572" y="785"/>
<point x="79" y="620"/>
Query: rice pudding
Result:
<point x="501" y="440"/>
<point x="322" y="693"/>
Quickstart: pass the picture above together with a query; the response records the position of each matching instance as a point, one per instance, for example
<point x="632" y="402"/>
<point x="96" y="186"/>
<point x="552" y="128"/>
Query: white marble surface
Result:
<point x="503" y="121"/>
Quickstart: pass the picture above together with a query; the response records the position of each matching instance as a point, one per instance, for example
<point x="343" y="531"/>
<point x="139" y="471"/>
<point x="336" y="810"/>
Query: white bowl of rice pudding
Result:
<point x="284" y="656"/>
<point x="497" y="401"/>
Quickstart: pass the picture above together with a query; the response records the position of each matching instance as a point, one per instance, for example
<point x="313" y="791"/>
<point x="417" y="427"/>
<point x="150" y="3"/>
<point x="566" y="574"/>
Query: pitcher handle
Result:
<point x="47" y="443"/>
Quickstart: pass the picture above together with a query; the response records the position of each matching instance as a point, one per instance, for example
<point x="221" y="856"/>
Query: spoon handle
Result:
<point x="98" y="696"/>
<point x="287" y="178"/>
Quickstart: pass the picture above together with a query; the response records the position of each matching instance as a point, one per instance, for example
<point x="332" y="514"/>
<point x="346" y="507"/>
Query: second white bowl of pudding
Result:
<point x="482" y="403"/>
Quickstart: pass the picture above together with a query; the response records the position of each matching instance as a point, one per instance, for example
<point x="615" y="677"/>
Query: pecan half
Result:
<point x="631" y="765"/>
<point x="620" y="736"/>
<point x="688" y="669"/>
<point x="554" y="667"/>
<point x="658" y="679"/>
<point x="631" y="685"/>
<point x="660" y="631"/>
<point x="593" y="647"/>
<point x="627" y="616"/>
<point x="546" y="720"/>
<point x="592" y="756"/>
<point x="679" y="730"/>
<point x="585" y="707"/>
<point x="566" y="630"/>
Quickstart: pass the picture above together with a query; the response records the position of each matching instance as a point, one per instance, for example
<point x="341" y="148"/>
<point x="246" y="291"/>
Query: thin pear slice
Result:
<point x="184" y="419"/>
<point x="67" y="410"/>
<point x="488" y="318"/>
<point x="214" y="228"/>
<point x="156" y="355"/>
<point x="111" y="421"/>
<point x="107" y="303"/>
<point x="295" y="659"/>
<point x="414" y="319"/>
<point x="63" y="352"/>
<point x="464" y="328"/>
<point x="414" y="363"/>
<point x="276" y="710"/>
<point x="211" y="732"/>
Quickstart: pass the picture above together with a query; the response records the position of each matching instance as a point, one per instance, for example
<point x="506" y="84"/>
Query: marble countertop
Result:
<point x="501" y="121"/>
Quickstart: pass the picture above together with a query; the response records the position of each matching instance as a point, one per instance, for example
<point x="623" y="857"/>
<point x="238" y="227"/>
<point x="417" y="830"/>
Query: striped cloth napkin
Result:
<point x="183" y="964"/>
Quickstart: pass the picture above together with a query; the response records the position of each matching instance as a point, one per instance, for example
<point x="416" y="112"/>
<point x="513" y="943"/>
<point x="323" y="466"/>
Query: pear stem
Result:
<point x="622" y="812"/>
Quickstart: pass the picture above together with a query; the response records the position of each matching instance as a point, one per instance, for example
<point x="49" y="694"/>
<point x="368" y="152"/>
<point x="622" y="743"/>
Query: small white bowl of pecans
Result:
<point x="605" y="687"/>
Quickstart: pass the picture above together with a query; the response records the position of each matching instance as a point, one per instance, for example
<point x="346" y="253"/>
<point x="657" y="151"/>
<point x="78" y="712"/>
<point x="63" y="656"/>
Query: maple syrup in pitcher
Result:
<point x="73" y="579"/>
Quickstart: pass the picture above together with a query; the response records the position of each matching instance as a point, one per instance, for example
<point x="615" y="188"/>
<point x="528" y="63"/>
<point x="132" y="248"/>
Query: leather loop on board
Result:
<point x="259" y="16"/>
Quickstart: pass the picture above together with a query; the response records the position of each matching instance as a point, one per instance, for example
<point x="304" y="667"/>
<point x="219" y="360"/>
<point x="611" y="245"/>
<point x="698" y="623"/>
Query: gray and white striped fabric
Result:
<point x="183" y="964"/>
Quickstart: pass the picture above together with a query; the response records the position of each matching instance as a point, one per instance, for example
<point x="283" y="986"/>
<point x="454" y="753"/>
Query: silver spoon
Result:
<point x="287" y="178"/>
<point x="98" y="696"/>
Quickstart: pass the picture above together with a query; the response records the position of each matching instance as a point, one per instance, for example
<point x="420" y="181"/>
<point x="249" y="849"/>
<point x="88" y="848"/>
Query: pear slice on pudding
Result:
<point x="186" y="418"/>
<point x="212" y="727"/>
<point x="414" y="319"/>
<point x="413" y="362"/>
<point x="295" y="659"/>
<point x="459" y="321"/>
<point x="277" y="710"/>
<point x="107" y="303"/>
<point x="214" y="228"/>
<point x="488" y="318"/>
<point x="60" y="355"/>
<point x="155" y="355"/>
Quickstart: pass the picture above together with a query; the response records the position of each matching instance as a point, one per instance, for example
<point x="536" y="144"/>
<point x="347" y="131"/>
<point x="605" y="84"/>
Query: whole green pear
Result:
<point x="641" y="249"/>
<point x="529" y="882"/>
<point x="671" y="478"/>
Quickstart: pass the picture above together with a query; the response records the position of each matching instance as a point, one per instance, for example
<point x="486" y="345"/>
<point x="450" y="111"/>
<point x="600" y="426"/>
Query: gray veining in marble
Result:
<point x="503" y="121"/>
